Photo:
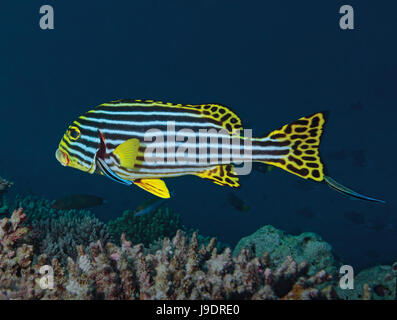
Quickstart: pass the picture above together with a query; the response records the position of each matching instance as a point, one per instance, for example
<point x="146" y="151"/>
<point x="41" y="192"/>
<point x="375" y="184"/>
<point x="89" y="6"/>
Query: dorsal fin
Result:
<point x="227" y="118"/>
<point x="219" y="113"/>
<point x="223" y="175"/>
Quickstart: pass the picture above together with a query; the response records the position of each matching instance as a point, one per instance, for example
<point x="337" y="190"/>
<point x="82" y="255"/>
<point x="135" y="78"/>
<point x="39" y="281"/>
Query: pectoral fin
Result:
<point x="154" y="186"/>
<point x="127" y="153"/>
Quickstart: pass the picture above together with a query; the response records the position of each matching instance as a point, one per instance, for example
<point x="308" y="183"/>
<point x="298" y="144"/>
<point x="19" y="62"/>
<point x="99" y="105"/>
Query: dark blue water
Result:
<point x="270" y="62"/>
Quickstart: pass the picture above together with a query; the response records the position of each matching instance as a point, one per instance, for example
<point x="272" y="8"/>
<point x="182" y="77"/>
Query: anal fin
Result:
<point x="154" y="186"/>
<point x="223" y="175"/>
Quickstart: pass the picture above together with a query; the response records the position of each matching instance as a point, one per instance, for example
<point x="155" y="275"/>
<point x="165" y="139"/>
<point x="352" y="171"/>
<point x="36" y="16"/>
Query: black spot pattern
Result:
<point x="303" y="159"/>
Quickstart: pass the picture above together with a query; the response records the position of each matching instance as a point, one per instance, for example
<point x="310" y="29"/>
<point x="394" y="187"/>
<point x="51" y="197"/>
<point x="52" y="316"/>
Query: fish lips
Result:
<point x="62" y="157"/>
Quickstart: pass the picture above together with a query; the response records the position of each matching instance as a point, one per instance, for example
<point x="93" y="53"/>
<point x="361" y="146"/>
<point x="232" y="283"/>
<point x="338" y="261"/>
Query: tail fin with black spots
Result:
<point x="294" y="147"/>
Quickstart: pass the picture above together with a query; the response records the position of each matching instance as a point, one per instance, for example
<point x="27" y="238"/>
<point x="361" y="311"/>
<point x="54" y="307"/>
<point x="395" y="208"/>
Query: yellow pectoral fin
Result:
<point x="154" y="186"/>
<point x="127" y="153"/>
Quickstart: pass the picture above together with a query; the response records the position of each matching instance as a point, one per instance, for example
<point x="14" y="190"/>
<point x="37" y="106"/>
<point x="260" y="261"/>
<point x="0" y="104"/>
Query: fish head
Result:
<point x="77" y="149"/>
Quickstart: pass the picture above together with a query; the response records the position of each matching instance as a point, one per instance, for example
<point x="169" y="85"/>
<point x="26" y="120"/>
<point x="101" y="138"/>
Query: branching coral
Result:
<point x="147" y="228"/>
<point x="56" y="233"/>
<point x="152" y="228"/>
<point x="180" y="270"/>
<point x="59" y="236"/>
<point x="37" y="208"/>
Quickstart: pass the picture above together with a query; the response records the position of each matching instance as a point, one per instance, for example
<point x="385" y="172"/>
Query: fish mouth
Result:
<point x="62" y="157"/>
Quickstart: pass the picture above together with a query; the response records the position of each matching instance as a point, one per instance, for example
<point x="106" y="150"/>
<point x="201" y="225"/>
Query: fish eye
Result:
<point x="74" y="133"/>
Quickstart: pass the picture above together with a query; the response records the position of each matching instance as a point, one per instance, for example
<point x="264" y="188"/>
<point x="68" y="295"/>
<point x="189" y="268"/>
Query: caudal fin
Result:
<point x="298" y="144"/>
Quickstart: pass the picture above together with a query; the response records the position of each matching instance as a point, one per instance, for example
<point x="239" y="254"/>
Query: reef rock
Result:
<point x="304" y="247"/>
<point x="376" y="283"/>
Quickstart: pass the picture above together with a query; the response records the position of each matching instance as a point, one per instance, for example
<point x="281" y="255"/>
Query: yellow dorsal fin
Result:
<point x="226" y="117"/>
<point x="154" y="186"/>
<point x="127" y="153"/>
<point x="217" y="112"/>
<point x="223" y="175"/>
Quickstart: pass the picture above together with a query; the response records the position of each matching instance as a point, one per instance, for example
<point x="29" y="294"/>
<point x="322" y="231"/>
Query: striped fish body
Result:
<point x="143" y="139"/>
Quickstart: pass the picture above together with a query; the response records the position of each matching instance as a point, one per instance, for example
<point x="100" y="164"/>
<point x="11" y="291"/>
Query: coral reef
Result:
<point x="304" y="247"/>
<point x="58" y="237"/>
<point x="146" y="228"/>
<point x="377" y="283"/>
<point x="180" y="270"/>
<point x="56" y="233"/>
<point x="37" y="208"/>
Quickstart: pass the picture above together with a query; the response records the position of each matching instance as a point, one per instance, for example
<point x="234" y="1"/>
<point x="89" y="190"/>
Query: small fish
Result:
<point x="110" y="140"/>
<point x="381" y="290"/>
<point x="237" y="203"/>
<point x="148" y="207"/>
<point x="77" y="201"/>
<point x="349" y="192"/>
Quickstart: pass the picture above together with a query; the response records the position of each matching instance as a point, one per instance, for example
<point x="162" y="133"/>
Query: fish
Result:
<point x="381" y="290"/>
<point x="148" y="207"/>
<point x="349" y="192"/>
<point x="237" y="203"/>
<point x="77" y="201"/>
<point x="117" y="139"/>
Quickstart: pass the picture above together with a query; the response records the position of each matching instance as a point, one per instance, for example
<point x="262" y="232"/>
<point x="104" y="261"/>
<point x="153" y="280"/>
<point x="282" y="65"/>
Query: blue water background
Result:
<point x="271" y="62"/>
